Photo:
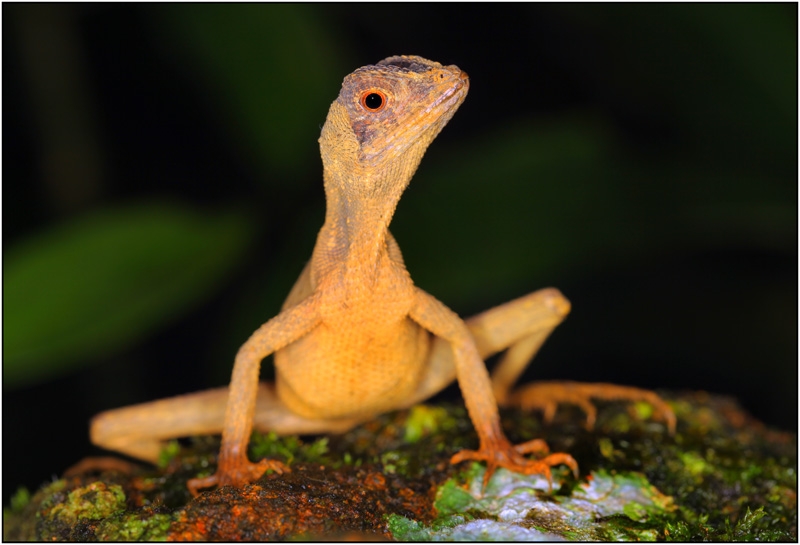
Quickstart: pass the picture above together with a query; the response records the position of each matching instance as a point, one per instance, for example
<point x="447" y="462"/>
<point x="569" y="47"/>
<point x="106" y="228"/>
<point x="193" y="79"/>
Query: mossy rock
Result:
<point x="722" y="477"/>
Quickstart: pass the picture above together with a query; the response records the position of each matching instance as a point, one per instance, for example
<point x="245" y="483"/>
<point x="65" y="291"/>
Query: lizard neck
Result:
<point x="362" y="191"/>
<point x="360" y="206"/>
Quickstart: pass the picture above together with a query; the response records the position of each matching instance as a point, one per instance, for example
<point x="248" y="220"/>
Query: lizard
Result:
<point x="355" y="336"/>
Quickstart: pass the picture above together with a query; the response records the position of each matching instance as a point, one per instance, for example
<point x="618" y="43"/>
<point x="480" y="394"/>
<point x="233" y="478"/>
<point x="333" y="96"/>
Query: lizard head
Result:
<point x="385" y="117"/>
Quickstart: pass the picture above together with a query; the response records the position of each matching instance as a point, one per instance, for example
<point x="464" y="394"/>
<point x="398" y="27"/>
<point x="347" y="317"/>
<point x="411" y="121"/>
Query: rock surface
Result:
<point x="723" y="476"/>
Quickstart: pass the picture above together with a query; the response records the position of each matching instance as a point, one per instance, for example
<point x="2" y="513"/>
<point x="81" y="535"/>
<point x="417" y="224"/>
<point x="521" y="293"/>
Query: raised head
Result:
<point x="385" y="117"/>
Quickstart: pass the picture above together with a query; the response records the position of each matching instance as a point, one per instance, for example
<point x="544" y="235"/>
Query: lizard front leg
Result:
<point x="233" y="466"/>
<point x="140" y="430"/>
<point x="473" y="379"/>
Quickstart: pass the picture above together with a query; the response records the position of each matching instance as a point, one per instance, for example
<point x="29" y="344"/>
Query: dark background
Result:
<point x="162" y="190"/>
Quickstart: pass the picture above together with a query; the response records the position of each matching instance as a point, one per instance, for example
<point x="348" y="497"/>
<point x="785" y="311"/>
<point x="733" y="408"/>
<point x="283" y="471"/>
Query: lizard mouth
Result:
<point x="457" y="91"/>
<point x="437" y="114"/>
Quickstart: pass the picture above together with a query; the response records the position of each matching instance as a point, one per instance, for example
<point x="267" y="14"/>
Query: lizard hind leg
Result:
<point x="547" y="395"/>
<point x="141" y="430"/>
<point x="521" y="328"/>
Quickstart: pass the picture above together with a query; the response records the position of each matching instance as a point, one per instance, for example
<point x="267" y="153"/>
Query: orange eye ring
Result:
<point x="373" y="100"/>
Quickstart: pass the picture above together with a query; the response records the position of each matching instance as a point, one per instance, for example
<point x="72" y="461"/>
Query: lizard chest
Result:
<point x="366" y="356"/>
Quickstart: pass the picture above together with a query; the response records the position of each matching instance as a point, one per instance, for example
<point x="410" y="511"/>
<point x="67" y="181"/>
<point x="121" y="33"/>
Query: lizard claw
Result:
<point x="236" y="473"/>
<point x="503" y="454"/>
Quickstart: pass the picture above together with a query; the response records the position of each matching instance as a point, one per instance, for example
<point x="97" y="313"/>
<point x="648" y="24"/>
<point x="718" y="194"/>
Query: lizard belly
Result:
<point x="341" y="370"/>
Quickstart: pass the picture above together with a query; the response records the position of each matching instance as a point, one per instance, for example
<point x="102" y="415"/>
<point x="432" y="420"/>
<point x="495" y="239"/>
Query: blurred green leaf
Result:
<point x="269" y="65"/>
<point x="105" y="281"/>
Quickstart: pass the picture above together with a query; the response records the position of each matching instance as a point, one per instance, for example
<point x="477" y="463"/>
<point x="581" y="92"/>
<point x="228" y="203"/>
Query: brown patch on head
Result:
<point x="409" y="62"/>
<point x="401" y="102"/>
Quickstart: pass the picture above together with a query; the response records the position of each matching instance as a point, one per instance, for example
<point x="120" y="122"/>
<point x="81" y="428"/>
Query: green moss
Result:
<point x="316" y="450"/>
<point x="347" y="459"/>
<point x="134" y="527"/>
<point x="20" y="499"/>
<point x="16" y="526"/>
<point x="677" y="531"/>
<point x="642" y="411"/>
<point x="403" y="529"/>
<point x="270" y="445"/>
<point x="394" y="462"/>
<point x="66" y="516"/>
<point x="695" y="464"/>
<point x="451" y="498"/>
<point x="95" y="501"/>
<point x="287" y="448"/>
<point x="607" y="450"/>
<point x="745" y="529"/>
<point x="621" y="528"/>
<point x="168" y="453"/>
<point x="424" y="420"/>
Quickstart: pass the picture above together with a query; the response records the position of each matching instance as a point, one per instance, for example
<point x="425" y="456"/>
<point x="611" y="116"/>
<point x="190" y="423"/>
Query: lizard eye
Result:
<point x="373" y="100"/>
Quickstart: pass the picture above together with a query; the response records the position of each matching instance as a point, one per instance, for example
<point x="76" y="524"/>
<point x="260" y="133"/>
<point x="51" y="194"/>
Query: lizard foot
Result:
<point x="236" y="473"/>
<point x="98" y="464"/>
<point x="546" y="396"/>
<point x="503" y="454"/>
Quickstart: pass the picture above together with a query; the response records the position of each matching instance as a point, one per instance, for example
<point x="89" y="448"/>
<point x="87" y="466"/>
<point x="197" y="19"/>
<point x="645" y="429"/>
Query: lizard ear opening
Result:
<point x="373" y="100"/>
